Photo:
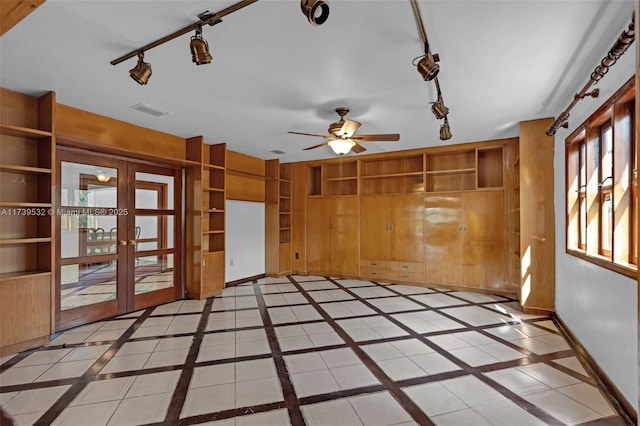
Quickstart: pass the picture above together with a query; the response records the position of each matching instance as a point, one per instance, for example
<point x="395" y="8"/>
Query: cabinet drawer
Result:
<point x="386" y="274"/>
<point x="405" y="266"/>
<point x="374" y="264"/>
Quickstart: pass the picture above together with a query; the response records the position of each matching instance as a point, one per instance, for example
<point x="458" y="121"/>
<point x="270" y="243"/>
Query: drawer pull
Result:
<point x="374" y="264"/>
<point x="405" y="266"/>
<point x="405" y="276"/>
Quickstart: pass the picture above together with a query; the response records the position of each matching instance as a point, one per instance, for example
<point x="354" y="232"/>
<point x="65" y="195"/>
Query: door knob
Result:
<point x="122" y="242"/>
<point x="132" y="242"/>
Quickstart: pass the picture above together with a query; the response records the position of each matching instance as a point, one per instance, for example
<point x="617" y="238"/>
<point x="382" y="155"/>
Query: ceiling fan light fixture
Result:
<point x="428" y="68"/>
<point x="316" y="11"/>
<point x="341" y="146"/>
<point x="142" y="71"/>
<point x="200" y="49"/>
<point x="445" y="130"/>
<point x="439" y="109"/>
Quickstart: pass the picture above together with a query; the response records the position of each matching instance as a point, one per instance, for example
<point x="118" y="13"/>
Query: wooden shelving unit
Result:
<point x="399" y="175"/>
<point x="206" y="229"/>
<point x="27" y="262"/>
<point x="278" y="214"/>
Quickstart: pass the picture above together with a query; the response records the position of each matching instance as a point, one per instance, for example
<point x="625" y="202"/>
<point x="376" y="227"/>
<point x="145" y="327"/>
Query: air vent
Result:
<point x="278" y="152"/>
<point x="149" y="109"/>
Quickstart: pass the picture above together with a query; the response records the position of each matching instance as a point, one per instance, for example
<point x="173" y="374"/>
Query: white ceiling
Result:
<point x="502" y="62"/>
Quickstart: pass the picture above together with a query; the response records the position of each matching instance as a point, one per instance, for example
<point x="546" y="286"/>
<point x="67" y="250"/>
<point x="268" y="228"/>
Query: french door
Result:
<point x="119" y="236"/>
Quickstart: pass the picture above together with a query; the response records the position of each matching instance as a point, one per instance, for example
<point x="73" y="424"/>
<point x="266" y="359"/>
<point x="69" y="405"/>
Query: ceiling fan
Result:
<point x="342" y="137"/>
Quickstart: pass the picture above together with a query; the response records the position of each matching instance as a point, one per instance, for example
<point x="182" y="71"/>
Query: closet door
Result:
<point x="406" y="233"/>
<point x="374" y="227"/>
<point x="484" y="240"/>
<point x="344" y="235"/>
<point x="444" y="220"/>
<point x="319" y="235"/>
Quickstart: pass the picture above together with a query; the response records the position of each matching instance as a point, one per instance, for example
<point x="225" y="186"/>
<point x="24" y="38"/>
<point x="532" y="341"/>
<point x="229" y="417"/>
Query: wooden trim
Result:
<point x="623" y="94"/>
<point x="21" y="346"/>
<point x="14" y="11"/>
<point x="244" y="280"/>
<point x="628" y="271"/>
<point x="612" y="393"/>
<point x="83" y="129"/>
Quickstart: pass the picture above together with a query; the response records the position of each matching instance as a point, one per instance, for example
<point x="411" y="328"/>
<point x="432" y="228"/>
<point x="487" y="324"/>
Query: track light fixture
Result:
<point x="427" y="67"/>
<point x="445" y="130"/>
<point x="200" y="48"/>
<point x="439" y="109"/>
<point x="316" y="11"/>
<point x="142" y="71"/>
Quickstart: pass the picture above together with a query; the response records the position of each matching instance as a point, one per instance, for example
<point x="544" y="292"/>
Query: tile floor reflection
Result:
<point x="309" y="350"/>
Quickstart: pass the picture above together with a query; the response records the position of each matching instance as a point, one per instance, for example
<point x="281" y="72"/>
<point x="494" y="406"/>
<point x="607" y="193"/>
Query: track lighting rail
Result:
<point x="429" y="70"/>
<point x="617" y="50"/>
<point x="212" y="19"/>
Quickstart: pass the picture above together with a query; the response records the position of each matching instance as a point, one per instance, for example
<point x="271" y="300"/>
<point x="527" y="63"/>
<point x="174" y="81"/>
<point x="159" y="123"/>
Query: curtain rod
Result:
<point x="617" y="50"/>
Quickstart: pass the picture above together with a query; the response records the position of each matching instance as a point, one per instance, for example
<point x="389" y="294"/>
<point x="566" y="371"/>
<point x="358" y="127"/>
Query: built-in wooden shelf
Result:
<point x="12" y="241"/>
<point x="24" y="169"/>
<point x="213" y="166"/>
<point x="451" y="171"/>
<point x="209" y="189"/>
<point x="18" y="204"/>
<point x="23" y="274"/>
<point x="25" y="132"/>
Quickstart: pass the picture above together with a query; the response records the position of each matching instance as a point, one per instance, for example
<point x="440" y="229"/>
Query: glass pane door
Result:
<point x="90" y="198"/>
<point x="156" y="229"/>
<point x="119" y="224"/>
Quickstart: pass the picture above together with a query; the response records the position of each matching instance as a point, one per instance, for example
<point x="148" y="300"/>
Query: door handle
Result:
<point x="122" y="242"/>
<point x="132" y="242"/>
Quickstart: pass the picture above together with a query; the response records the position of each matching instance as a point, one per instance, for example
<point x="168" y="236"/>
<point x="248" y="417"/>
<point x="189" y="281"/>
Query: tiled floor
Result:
<point x="309" y="350"/>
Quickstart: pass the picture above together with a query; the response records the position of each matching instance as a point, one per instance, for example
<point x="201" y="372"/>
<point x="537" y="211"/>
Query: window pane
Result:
<point x="87" y="283"/>
<point x="607" y="222"/>
<point x="606" y="168"/>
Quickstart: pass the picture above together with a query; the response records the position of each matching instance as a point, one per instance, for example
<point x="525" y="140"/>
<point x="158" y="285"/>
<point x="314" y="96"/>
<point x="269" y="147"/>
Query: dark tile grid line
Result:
<point x="182" y="387"/>
<point x="291" y="402"/>
<point x="394" y="390"/>
<point x="80" y="383"/>
<point x="531" y="357"/>
<point x="474" y="371"/>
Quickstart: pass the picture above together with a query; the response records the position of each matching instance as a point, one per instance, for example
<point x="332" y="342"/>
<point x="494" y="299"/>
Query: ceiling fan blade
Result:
<point x="315" y="146"/>
<point x="349" y="128"/>
<point x="357" y="148"/>
<point x="390" y="137"/>
<point x="309" y="134"/>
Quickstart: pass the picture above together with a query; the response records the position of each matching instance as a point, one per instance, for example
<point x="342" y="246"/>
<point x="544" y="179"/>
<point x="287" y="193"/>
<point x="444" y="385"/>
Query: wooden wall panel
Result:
<point x="537" y="226"/>
<point x="25" y="300"/>
<point x="84" y="129"/>
<point x="18" y="109"/>
<point x="14" y="11"/>
<point x="245" y="177"/>
<point x="299" y="176"/>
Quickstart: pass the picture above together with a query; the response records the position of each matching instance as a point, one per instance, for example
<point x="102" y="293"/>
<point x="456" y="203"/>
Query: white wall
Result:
<point x="599" y="306"/>
<point x="245" y="245"/>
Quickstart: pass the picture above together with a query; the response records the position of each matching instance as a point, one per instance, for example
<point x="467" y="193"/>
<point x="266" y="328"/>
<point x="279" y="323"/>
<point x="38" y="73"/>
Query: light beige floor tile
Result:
<point x="213" y="375"/>
<point x="98" y="414"/>
<point x="141" y="410"/>
<point x="379" y="409"/>
<point x="103" y="391"/>
<point x="331" y="413"/>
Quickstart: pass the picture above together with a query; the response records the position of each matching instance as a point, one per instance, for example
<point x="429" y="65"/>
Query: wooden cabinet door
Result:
<point x="318" y="235"/>
<point x="406" y="235"/>
<point x="484" y="240"/>
<point x="344" y="235"/>
<point x="443" y="238"/>
<point x="374" y="231"/>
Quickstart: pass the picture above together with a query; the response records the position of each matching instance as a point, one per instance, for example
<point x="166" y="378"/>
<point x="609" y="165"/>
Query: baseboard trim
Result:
<point x="616" y="398"/>
<point x="244" y="280"/>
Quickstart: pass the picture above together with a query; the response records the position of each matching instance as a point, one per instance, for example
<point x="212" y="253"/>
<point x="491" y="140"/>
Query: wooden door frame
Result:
<point x="119" y="305"/>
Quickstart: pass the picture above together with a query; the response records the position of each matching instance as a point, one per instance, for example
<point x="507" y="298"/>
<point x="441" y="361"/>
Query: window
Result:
<point x="601" y="187"/>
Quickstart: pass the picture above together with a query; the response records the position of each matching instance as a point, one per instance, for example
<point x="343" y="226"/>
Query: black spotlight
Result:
<point x="316" y="11"/>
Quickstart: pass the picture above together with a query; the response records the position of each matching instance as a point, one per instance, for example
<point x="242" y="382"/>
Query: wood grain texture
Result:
<point x="537" y="226"/>
<point x="272" y="217"/>
<point x="443" y="239"/>
<point x="25" y="304"/>
<point x="14" y="11"/>
<point x="344" y="235"/>
<point x="318" y="235"/>
<point x="299" y="177"/>
<point x="88" y="130"/>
